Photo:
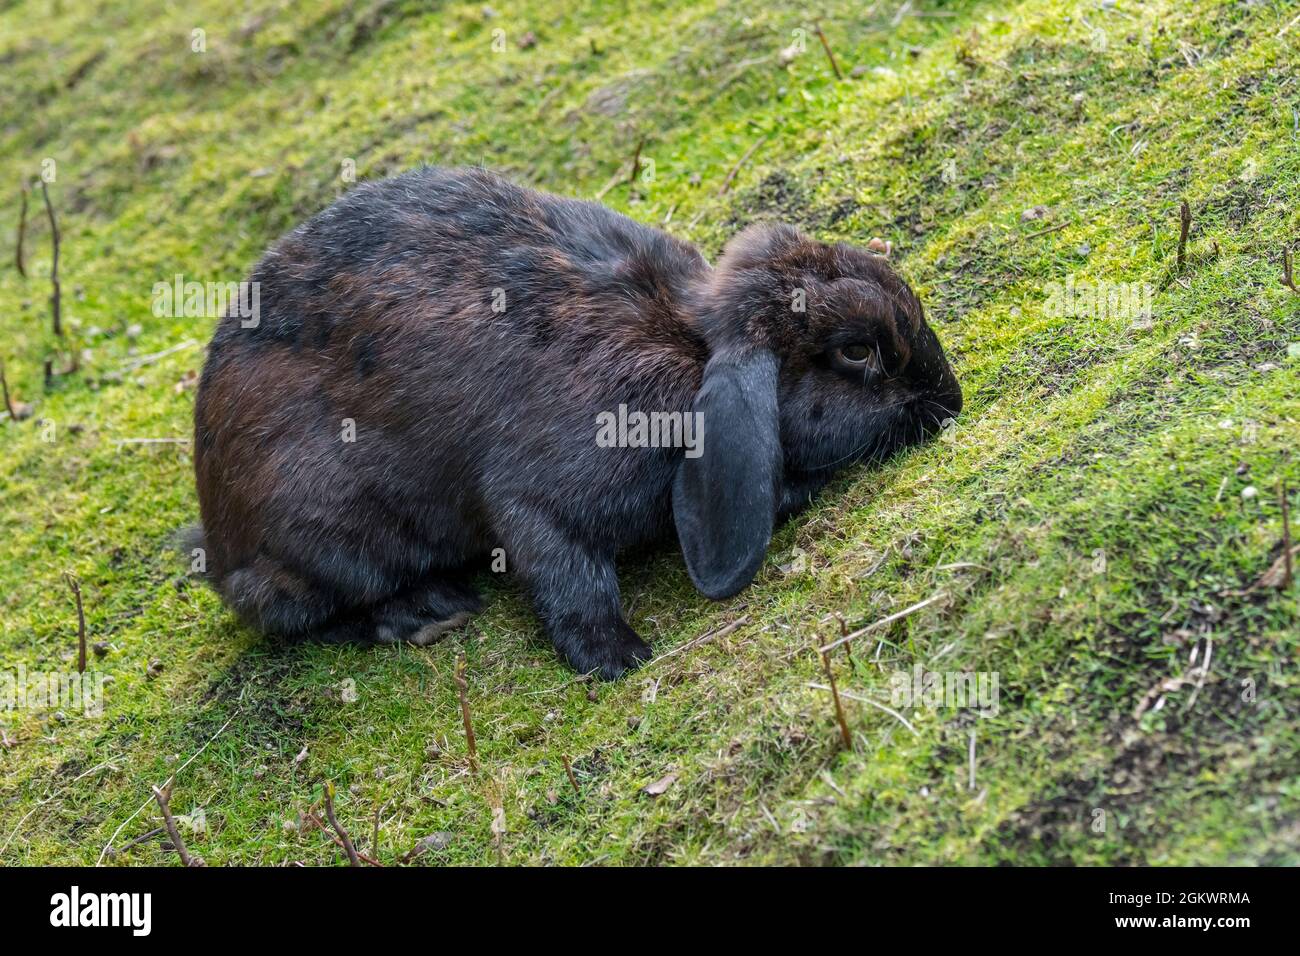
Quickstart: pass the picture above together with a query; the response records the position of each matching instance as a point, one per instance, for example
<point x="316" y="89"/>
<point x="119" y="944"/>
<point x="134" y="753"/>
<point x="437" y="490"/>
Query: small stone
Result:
<point x="660" y="786"/>
<point x="432" y="843"/>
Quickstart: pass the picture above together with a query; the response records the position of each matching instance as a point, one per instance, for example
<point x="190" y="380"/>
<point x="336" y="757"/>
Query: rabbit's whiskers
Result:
<point x="873" y="440"/>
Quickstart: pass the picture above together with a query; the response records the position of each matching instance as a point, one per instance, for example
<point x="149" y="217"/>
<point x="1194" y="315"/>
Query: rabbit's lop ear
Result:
<point x="724" y="499"/>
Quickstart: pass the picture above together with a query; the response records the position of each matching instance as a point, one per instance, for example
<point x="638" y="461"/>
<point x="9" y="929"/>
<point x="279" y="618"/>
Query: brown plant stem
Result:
<point x="636" y="162"/>
<point x="726" y="183"/>
<point x="829" y="54"/>
<point x="164" y="799"/>
<point x="462" y="689"/>
<point x="81" y="622"/>
<point x="22" y="233"/>
<point x="4" y="387"/>
<point x="56" y="298"/>
<point x="345" y="841"/>
<point x="320" y="825"/>
<point x="845" y="736"/>
<point x="1185" y="219"/>
<point x="1288" y="573"/>
<point x="568" y="769"/>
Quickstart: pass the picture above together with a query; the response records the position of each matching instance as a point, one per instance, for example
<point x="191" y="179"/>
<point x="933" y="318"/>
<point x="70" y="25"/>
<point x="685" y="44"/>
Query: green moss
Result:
<point x="1085" y="521"/>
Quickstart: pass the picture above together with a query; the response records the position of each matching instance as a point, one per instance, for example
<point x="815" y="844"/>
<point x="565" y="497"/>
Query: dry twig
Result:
<point x="164" y="799"/>
<point x="81" y="622"/>
<point x="702" y="639"/>
<point x="1185" y="219"/>
<point x="726" y="183"/>
<point x="1288" y="571"/>
<point x="863" y="698"/>
<point x="142" y="838"/>
<point x="897" y="615"/>
<point x="56" y="298"/>
<point x="320" y="825"/>
<point x="1288" y="279"/>
<point x="1046" y="232"/>
<point x="462" y="689"/>
<point x="123" y="825"/>
<point x="568" y="769"/>
<point x="345" y="841"/>
<point x="636" y="162"/>
<point x="144" y="360"/>
<point x="827" y="47"/>
<point x="845" y="736"/>
<point x="22" y="232"/>
<point x="17" y="412"/>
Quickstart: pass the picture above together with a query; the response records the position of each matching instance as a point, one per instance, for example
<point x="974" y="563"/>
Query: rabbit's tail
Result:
<point x="192" y="543"/>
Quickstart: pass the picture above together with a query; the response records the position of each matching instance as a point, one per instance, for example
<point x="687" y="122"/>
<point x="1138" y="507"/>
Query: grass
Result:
<point x="1090" y="521"/>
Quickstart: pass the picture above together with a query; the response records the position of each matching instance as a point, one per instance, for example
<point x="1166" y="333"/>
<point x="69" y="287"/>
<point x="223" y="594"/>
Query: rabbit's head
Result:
<point x="820" y="356"/>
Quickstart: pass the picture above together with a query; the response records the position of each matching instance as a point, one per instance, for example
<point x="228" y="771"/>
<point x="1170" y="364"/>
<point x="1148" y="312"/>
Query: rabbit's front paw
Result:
<point x="607" y="650"/>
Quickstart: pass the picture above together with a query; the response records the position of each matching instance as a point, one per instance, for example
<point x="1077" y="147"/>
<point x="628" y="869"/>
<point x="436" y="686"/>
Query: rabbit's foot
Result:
<point x="425" y="633"/>
<point x="606" y="648"/>
<point x="419" y="616"/>
<point x="575" y="591"/>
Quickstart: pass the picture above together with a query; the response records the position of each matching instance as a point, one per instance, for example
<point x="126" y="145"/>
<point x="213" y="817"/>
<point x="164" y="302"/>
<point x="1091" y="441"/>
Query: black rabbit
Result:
<point x="445" y="367"/>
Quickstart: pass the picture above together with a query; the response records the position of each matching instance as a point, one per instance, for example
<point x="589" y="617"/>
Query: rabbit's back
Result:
<point x="458" y="237"/>
<point x="429" y="349"/>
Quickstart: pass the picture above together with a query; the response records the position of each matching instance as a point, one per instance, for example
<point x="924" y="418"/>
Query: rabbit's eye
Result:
<point x="853" y="356"/>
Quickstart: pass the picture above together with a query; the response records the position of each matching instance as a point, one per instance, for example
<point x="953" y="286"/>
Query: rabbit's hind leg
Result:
<point x="418" y="616"/>
<point x="277" y="599"/>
